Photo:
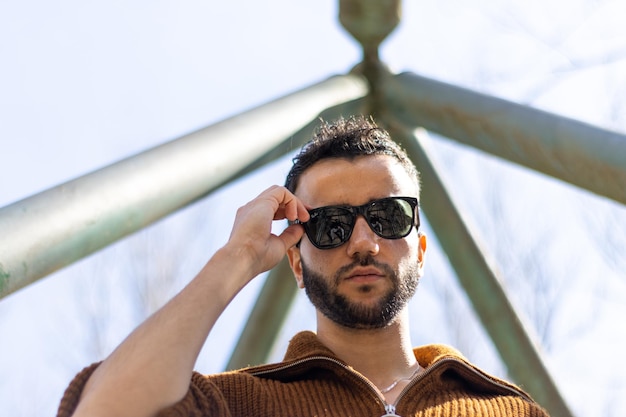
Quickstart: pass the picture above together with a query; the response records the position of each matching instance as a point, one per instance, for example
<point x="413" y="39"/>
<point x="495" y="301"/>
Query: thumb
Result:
<point x="291" y="235"/>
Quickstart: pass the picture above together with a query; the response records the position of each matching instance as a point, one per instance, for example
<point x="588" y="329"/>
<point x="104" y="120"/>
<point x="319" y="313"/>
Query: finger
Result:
<point x="295" y="209"/>
<point x="290" y="207"/>
<point x="289" y="210"/>
<point x="301" y="213"/>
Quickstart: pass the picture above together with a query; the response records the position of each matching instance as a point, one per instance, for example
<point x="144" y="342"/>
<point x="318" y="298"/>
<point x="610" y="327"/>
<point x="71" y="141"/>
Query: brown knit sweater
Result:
<point x="312" y="381"/>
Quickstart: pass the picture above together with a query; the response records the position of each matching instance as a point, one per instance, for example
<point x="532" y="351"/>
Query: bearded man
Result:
<point x="355" y="246"/>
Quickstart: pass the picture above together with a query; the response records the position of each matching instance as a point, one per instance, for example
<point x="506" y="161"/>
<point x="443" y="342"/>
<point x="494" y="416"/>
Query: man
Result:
<point x="354" y="245"/>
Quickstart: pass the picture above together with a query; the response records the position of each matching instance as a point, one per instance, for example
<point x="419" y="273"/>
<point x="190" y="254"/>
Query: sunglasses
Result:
<point x="390" y="218"/>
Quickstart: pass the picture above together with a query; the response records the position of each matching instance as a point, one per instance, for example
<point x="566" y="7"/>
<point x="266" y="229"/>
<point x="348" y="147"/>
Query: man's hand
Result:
<point x="152" y="368"/>
<point x="252" y="231"/>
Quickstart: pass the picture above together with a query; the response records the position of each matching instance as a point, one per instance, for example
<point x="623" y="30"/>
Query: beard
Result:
<point x="324" y="295"/>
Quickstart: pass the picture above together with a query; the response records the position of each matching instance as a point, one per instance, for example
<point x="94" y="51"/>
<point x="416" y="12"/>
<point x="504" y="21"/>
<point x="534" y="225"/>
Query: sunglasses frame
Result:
<point x="355" y="211"/>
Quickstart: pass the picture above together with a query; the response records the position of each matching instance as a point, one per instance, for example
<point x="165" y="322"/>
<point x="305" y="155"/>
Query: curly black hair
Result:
<point x="348" y="138"/>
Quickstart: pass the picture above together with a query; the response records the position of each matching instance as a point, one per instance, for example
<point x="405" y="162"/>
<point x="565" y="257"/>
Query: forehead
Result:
<point x="354" y="181"/>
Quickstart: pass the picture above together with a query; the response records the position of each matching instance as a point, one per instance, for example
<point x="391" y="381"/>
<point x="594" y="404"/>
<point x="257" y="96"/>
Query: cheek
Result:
<point x="318" y="261"/>
<point x="313" y="262"/>
<point x="406" y="254"/>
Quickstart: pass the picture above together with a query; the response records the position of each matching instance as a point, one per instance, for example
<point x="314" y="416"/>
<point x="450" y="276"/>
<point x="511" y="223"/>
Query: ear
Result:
<point x="421" y="253"/>
<point x="295" y="262"/>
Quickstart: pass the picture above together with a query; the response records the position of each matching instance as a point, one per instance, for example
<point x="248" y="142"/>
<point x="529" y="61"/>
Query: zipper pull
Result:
<point x="391" y="411"/>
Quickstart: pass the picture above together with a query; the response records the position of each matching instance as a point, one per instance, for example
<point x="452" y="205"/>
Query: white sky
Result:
<point x="84" y="84"/>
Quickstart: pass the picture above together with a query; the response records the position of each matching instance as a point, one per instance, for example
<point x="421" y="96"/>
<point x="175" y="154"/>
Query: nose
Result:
<point x="363" y="240"/>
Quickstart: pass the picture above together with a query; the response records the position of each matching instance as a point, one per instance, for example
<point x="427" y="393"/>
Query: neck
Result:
<point x="382" y="355"/>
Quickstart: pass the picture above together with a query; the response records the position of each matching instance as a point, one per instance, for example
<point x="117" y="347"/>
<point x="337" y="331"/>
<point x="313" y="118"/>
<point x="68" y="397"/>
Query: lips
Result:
<point x="364" y="275"/>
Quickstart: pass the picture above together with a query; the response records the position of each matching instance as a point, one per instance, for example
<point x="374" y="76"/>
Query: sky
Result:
<point x="85" y="84"/>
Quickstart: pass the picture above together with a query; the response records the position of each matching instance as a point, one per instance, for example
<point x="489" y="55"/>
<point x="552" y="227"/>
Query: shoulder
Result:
<point x="448" y="373"/>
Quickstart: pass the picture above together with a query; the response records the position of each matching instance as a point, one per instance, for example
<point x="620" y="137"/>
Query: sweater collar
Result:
<point x="307" y="344"/>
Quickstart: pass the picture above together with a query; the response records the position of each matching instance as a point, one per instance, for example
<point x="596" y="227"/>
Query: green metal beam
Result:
<point x="575" y="152"/>
<point x="266" y="318"/>
<point x="370" y="21"/>
<point x="302" y="136"/>
<point x="479" y="280"/>
<point x="50" y="230"/>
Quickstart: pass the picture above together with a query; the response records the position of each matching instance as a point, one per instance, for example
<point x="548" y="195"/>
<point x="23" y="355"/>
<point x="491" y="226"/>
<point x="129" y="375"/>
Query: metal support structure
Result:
<point x="370" y="22"/>
<point x="266" y="319"/>
<point x="575" y="152"/>
<point x="61" y="225"/>
<point x="479" y="280"/>
<point x="299" y="138"/>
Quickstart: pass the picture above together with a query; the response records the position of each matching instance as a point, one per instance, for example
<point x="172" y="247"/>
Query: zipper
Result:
<point x="390" y="409"/>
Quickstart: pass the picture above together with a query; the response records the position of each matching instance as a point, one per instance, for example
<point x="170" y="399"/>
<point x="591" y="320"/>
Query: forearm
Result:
<point x="152" y="368"/>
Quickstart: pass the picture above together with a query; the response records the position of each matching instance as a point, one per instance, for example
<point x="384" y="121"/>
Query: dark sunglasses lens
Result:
<point x="391" y="218"/>
<point x="329" y="227"/>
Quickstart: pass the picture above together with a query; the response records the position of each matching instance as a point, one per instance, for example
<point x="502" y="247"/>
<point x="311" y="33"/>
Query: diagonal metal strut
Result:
<point x="479" y="280"/>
